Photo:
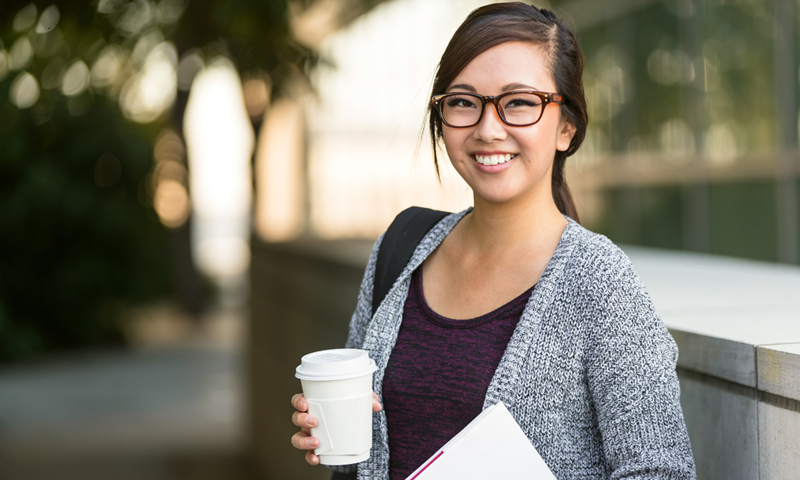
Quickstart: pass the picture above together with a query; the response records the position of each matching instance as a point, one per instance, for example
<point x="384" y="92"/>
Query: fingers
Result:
<point x="311" y="458"/>
<point x="303" y="440"/>
<point x="376" y="403"/>
<point x="299" y="403"/>
<point x="305" y="420"/>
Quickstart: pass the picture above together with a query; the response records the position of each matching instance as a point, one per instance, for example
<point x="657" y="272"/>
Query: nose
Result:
<point x="491" y="127"/>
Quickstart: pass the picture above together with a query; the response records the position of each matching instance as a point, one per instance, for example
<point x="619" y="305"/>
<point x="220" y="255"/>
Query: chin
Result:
<point x="496" y="198"/>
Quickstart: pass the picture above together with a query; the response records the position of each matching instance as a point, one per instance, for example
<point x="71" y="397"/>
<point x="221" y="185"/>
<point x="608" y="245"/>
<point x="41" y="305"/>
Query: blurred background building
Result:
<point x="164" y="164"/>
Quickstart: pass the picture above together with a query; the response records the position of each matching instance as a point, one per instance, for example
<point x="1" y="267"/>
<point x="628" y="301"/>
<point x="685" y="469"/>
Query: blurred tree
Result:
<point x="86" y="89"/>
<point x="77" y="244"/>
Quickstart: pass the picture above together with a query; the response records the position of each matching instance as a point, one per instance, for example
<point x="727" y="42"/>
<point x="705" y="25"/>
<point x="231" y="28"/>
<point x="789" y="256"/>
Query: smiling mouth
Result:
<point x="493" y="159"/>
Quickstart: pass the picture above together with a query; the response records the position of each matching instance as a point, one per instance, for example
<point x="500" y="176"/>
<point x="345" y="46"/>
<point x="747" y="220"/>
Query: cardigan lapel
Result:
<point x="386" y="320"/>
<point x="507" y="376"/>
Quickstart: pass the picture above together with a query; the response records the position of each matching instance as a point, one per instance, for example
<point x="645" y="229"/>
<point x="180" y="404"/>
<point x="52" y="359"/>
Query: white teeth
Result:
<point x="493" y="159"/>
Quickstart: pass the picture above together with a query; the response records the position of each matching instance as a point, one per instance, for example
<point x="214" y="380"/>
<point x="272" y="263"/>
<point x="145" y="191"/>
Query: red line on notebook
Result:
<point x="427" y="465"/>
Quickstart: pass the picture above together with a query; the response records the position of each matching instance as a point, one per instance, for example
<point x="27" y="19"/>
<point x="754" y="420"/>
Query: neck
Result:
<point x="515" y="224"/>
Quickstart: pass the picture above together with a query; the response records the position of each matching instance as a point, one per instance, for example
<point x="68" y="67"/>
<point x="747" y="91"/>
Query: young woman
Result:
<point x="512" y="300"/>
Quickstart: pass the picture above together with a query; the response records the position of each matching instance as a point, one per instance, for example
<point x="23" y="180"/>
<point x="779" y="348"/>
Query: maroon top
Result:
<point x="438" y="374"/>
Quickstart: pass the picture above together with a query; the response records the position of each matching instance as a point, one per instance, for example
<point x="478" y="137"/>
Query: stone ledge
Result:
<point x="779" y="369"/>
<point x="733" y="319"/>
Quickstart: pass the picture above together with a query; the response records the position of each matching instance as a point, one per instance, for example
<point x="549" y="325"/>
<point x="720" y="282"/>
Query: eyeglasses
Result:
<point x="519" y="108"/>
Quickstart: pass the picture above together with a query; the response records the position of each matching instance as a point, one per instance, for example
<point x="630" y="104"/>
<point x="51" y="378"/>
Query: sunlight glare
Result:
<point x="24" y="91"/>
<point x="279" y="173"/>
<point x="149" y="93"/>
<point x="219" y="145"/>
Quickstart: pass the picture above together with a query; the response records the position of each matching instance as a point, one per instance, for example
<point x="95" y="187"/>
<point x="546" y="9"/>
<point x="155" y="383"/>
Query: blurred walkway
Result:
<point x="171" y="411"/>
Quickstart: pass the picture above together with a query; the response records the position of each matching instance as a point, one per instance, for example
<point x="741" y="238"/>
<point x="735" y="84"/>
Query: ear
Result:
<point x="565" y="133"/>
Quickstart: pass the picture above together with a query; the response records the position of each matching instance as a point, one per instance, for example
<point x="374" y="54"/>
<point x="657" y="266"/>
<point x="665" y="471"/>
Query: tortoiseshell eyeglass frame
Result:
<point x="436" y="101"/>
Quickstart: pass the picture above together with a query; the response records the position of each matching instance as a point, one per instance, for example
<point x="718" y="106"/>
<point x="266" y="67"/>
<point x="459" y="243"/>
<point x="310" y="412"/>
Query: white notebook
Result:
<point x="491" y="446"/>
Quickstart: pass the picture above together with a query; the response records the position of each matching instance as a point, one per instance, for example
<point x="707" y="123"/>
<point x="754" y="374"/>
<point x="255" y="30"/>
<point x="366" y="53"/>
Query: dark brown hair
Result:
<point x="498" y="23"/>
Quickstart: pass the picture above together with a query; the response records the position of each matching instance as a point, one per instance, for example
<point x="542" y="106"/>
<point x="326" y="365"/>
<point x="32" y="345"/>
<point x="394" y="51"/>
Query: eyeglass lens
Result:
<point x="517" y="109"/>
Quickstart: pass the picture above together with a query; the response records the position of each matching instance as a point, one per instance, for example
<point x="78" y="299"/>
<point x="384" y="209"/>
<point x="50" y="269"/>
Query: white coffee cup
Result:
<point x="337" y="385"/>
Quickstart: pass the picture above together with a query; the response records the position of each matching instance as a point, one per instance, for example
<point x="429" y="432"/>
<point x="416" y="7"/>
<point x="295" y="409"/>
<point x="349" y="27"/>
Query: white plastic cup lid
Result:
<point x="336" y="364"/>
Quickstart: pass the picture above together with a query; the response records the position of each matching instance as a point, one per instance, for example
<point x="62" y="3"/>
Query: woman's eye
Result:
<point x="522" y="103"/>
<point x="457" y="102"/>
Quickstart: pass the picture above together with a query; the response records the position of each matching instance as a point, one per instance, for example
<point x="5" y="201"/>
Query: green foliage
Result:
<point x="657" y="64"/>
<point x="742" y="216"/>
<point x="255" y="34"/>
<point x="745" y="219"/>
<point x="78" y="244"/>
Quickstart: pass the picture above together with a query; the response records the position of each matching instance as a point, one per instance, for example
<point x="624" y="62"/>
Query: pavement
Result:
<point x="170" y="409"/>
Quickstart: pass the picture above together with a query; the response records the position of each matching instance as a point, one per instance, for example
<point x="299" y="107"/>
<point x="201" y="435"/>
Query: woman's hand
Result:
<point x="303" y="440"/>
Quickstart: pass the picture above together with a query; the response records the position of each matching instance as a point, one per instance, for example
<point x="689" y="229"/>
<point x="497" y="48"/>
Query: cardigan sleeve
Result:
<point x="363" y="313"/>
<point x="359" y="322"/>
<point x="634" y="387"/>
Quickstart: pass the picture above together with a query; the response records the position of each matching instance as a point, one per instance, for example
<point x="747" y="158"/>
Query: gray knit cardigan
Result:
<point x="589" y="372"/>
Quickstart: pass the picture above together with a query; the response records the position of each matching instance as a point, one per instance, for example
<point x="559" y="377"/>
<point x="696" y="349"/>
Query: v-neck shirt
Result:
<point x="438" y="373"/>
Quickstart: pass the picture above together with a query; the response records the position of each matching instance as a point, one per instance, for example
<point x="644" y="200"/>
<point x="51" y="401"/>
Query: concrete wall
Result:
<point x="736" y="322"/>
<point x="303" y="295"/>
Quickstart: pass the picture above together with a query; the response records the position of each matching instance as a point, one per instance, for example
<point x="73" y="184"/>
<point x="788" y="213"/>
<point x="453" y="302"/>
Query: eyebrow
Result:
<point x="507" y="88"/>
<point x="517" y="86"/>
<point x="463" y="86"/>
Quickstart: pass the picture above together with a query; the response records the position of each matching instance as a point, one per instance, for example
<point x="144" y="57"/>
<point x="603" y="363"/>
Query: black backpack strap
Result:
<point x="399" y="243"/>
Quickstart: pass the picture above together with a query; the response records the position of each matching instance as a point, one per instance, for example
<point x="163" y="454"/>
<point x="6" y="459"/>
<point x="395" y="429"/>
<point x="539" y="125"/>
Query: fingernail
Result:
<point x="311" y="421"/>
<point x="311" y="442"/>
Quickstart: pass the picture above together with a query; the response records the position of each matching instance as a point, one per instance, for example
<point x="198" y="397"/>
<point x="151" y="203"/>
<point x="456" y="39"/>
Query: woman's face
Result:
<point x="506" y="67"/>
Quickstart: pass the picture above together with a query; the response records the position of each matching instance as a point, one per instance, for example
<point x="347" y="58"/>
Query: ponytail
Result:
<point x="561" y="193"/>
